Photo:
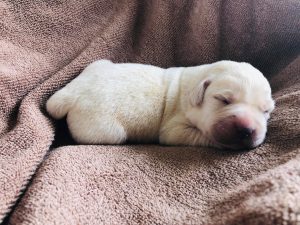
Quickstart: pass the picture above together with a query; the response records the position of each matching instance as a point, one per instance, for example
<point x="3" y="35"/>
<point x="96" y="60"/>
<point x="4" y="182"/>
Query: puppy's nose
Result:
<point x="236" y="132"/>
<point x="245" y="132"/>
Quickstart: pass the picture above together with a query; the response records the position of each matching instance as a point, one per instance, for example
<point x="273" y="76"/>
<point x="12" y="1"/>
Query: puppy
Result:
<point x="225" y="105"/>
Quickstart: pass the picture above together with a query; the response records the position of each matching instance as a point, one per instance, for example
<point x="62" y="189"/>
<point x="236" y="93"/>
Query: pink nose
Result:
<point x="235" y="132"/>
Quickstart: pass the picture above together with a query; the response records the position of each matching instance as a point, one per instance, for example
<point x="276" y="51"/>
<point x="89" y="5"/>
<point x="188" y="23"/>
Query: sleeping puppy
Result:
<point x="225" y="105"/>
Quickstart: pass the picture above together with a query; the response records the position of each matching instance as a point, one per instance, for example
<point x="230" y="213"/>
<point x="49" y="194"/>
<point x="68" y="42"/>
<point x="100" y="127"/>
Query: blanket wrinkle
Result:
<point x="45" y="44"/>
<point x="253" y="194"/>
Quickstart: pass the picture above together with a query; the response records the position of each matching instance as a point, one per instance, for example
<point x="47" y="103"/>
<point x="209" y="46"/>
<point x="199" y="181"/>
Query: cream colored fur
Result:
<point x="113" y="103"/>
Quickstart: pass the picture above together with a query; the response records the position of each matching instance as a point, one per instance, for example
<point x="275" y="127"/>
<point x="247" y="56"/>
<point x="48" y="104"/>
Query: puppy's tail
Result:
<point x="59" y="104"/>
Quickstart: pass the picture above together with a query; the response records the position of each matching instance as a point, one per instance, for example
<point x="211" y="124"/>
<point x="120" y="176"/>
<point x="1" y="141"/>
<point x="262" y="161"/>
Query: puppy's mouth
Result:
<point x="230" y="133"/>
<point x="234" y="146"/>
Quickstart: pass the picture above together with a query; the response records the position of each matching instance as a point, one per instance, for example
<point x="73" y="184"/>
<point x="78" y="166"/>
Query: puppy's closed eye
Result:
<point x="223" y="99"/>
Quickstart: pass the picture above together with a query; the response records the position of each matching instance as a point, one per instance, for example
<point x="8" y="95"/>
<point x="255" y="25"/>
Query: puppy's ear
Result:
<point x="197" y="94"/>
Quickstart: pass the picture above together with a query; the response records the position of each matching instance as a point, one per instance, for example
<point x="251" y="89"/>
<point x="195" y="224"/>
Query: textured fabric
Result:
<point x="45" y="178"/>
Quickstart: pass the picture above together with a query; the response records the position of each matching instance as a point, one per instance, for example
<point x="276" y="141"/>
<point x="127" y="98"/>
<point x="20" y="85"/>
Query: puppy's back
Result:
<point x="130" y="95"/>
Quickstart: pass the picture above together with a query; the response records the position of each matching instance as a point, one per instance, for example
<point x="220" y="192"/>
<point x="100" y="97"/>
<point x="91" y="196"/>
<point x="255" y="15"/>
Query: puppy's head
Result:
<point x="231" y="105"/>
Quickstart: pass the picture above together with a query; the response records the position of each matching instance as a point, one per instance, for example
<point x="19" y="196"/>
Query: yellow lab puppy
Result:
<point x="225" y="104"/>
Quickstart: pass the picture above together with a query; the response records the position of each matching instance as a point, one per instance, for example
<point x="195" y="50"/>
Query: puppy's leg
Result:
<point x="179" y="132"/>
<point x="96" y="130"/>
<point x="59" y="104"/>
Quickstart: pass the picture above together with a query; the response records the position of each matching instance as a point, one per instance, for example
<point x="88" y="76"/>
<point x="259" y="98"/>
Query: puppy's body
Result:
<point x="112" y="103"/>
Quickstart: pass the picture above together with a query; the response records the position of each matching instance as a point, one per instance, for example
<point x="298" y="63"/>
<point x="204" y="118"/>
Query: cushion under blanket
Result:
<point x="46" y="178"/>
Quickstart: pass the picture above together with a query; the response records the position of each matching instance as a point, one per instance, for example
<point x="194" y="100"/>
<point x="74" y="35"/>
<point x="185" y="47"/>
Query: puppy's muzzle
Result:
<point x="235" y="133"/>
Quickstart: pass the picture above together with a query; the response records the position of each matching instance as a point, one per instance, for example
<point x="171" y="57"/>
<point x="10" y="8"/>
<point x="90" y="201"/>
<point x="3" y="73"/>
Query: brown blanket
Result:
<point x="45" y="178"/>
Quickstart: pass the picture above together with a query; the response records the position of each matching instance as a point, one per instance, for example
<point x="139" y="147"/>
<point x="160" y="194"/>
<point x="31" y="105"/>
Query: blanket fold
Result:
<point x="45" y="44"/>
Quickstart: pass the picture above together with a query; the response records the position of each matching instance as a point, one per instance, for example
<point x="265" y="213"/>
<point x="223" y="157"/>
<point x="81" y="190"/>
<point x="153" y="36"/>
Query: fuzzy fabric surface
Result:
<point x="46" y="178"/>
